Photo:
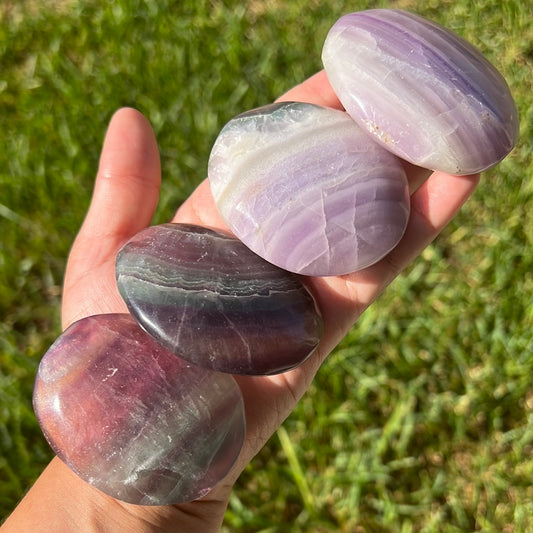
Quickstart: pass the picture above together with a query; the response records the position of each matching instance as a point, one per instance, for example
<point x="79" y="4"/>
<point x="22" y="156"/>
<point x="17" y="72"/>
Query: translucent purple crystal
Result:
<point x="134" y="420"/>
<point x="210" y="300"/>
<point x="305" y="188"/>
<point x="421" y="91"/>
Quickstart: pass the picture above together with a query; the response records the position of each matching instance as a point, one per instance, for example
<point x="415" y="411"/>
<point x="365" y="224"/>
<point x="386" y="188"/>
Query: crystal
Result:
<point x="304" y="188"/>
<point x="420" y="90"/>
<point x="134" y="420"/>
<point x="206" y="297"/>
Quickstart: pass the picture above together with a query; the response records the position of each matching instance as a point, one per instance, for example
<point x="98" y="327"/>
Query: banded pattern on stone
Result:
<point x="305" y="188"/>
<point x="206" y="297"/>
<point x="420" y="90"/>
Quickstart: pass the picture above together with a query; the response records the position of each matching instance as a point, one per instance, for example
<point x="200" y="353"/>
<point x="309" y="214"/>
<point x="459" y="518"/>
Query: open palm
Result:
<point x="125" y="198"/>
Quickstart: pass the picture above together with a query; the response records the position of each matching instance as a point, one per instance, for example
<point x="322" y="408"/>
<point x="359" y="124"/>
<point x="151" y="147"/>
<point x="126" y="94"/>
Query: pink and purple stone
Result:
<point x="134" y="420"/>
<point x="210" y="300"/>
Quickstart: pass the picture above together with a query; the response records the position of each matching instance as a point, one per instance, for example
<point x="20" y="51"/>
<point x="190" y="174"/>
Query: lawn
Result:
<point x="422" y="419"/>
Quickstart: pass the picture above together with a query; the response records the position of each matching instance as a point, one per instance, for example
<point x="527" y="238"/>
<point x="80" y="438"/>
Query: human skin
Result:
<point x="125" y="197"/>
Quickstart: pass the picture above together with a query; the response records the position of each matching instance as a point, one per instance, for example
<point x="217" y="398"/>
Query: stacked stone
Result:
<point x="144" y="406"/>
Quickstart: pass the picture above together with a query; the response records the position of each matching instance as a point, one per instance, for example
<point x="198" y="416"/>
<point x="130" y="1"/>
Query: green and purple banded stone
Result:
<point x="210" y="300"/>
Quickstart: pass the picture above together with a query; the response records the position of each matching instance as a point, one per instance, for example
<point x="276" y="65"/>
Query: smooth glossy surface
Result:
<point x="420" y="90"/>
<point x="210" y="300"/>
<point x="134" y="420"/>
<point x="305" y="188"/>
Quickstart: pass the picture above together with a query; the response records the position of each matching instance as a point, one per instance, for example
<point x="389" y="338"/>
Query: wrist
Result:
<point x="60" y="501"/>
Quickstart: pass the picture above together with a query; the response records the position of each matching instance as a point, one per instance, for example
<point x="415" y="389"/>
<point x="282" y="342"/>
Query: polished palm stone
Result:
<point x="210" y="300"/>
<point x="134" y="420"/>
<point x="304" y="187"/>
<point x="420" y="90"/>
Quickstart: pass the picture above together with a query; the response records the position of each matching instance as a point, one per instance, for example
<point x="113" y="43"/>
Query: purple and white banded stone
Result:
<point x="305" y="188"/>
<point x="421" y="91"/>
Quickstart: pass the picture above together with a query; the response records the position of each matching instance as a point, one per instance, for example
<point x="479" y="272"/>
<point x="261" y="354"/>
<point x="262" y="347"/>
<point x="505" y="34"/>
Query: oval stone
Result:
<point x="304" y="187"/>
<point x="421" y="91"/>
<point x="210" y="300"/>
<point x="132" y="419"/>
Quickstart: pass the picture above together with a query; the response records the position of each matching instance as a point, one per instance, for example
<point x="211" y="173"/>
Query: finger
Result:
<point x="128" y="180"/>
<point x="343" y="299"/>
<point x="200" y="209"/>
<point x="315" y="90"/>
<point x="124" y="199"/>
<point x="433" y="206"/>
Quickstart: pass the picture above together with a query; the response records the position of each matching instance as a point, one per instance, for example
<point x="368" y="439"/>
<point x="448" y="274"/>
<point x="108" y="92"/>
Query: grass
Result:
<point x="422" y="419"/>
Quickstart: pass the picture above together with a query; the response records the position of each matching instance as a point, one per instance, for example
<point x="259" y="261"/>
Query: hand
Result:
<point x="125" y="198"/>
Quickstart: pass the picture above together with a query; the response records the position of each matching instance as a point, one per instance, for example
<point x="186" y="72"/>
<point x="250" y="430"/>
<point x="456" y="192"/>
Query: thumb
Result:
<point x="125" y="196"/>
